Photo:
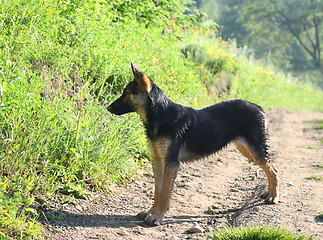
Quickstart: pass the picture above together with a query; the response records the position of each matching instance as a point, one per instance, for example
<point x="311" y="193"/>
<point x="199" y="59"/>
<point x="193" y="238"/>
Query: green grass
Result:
<point x="247" y="79"/>
<point x="318" y="139"/>
<point x="314" y="177"/>
<point x="254" y="233"/>
<point x="312" y="147"/>
<point x="317" y="166"/>
<point x="62" y="62"/>
<point x="317" y="122"/>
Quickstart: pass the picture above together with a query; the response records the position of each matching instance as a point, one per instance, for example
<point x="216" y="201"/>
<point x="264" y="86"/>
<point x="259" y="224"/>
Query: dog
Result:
<point x="176" y="134"/>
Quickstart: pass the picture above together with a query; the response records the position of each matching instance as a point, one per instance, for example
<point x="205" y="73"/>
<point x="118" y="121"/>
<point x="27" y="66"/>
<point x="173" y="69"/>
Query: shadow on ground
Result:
<point x="63" y="218"/>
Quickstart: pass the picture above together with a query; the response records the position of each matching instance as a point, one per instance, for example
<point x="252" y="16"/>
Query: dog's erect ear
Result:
<point x="143" y="81"/>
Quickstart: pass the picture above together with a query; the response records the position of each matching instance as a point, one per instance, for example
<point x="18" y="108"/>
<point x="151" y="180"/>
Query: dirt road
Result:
<point x="223" y="189"/>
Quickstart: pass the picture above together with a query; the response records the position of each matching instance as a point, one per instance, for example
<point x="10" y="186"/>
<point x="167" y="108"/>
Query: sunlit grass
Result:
<point x="255" y="233"/>
<point x="314" y="177"/>
<point x="246" y="79"/>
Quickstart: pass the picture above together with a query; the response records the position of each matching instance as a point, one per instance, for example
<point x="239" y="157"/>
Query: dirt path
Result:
<point x="220" y="190"/>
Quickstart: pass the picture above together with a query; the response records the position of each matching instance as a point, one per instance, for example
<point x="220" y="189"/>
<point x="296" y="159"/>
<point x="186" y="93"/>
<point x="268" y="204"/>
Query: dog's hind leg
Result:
<point x="260" y="157"/>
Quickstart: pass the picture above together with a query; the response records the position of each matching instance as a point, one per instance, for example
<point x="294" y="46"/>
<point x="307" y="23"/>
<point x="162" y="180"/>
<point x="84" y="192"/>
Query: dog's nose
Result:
<point x="109" y="108"/>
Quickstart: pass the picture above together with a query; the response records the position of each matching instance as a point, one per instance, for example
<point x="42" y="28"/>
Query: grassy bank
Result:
<point x="223" y="65"/>
<point x="61" y="62"/>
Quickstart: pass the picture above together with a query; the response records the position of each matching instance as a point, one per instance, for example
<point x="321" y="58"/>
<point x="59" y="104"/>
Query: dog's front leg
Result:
<point x="158" y="168"/>
<point x="162" y="197"/>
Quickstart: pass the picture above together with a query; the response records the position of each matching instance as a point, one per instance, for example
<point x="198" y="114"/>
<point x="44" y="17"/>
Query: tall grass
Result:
<point x="50" y="139"/>
<point x="61" y="62"/>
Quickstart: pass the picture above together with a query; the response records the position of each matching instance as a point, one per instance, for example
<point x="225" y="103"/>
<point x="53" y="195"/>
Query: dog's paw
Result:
<point x="150" y="220"/>
<point x="265" y="195"/>
<point x="271" y="200"/>
<point x="142" y="215"/>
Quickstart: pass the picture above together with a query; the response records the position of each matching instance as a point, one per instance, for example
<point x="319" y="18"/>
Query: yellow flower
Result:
<point x="60" y="2"/>
<point x="65" y="8"/>
<point x="3" y="185"/>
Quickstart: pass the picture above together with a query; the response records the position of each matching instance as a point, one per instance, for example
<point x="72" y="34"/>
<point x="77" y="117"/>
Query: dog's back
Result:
<point x="202" y="132"/>
<point x="228" y="121"/>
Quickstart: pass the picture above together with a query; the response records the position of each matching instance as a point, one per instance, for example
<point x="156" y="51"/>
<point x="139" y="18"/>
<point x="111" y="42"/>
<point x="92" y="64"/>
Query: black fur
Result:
<point x="193" y="129"/>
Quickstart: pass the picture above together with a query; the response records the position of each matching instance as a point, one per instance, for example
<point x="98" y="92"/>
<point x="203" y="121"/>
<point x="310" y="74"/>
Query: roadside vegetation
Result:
<point x="254" y="233"/>
<point x="62" y="62"/>
<point x="286" y="33"/>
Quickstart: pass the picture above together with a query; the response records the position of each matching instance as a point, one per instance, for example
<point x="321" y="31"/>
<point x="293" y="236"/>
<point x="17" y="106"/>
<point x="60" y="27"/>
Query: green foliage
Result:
<point x="158" y="13"/>
<point x="314" y="177"/>
<point x="254" y="233"/>
<point x="221" y="63"/>
<point x="319" y="124"/>
<point x="294" y="26"/>
<point x="288" y="33"/>
<point x="57" y="58"/>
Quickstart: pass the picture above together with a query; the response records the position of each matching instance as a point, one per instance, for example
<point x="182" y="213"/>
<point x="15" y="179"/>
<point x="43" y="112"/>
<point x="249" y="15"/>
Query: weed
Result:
<point x="76" y="191"/>
<point x="312" y="147"/>
<point x="248" y="232"/>
<point x="318" y="139"/>
<point x="319" y="124"/>
<point x="317" y="166"/>
<point x="314" y="177"/>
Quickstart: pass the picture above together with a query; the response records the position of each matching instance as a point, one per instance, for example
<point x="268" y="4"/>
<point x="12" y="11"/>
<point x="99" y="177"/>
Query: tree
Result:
<point x="288" y="28"/>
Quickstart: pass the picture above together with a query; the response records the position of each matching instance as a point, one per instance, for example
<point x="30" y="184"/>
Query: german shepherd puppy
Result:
<point x="181" y="134"/>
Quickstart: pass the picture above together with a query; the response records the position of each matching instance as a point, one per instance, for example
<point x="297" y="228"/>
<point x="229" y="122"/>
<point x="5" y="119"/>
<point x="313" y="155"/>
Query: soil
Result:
<point x="221" y="190"/>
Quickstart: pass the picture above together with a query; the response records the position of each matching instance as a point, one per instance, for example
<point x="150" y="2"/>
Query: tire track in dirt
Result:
<point x="223" y="189"/>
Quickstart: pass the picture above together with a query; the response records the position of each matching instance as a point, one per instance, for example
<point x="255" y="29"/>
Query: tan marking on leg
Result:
<point x="162" y="201"/>
<point x="158" y="150"/>
<point x="158" y="169"/>
<point x="266" y="165"/>
<point x="272" y="175"/>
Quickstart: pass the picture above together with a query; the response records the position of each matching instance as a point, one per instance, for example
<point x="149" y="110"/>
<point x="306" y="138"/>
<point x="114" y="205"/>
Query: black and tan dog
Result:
<point x="181" y="134"/>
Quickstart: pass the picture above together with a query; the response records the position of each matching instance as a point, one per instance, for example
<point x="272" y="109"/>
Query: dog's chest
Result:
<point x="159" y="147"/>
